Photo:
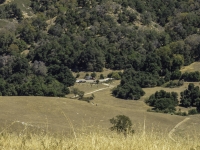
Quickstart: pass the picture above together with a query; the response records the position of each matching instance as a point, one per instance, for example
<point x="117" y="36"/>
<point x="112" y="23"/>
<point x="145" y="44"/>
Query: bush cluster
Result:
<point x="163" y="101"/>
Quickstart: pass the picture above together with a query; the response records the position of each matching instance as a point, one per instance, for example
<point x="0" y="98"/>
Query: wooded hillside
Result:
<point x="151" y="39"/>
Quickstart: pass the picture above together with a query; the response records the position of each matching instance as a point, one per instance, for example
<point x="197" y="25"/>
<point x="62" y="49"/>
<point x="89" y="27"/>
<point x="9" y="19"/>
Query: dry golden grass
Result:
<point x="97" y="140"/>
<point x="87" y="87"/>
<point x="149" y="91"/>
<point x="58" y="116"/>
<point x="39" y="111"/>
<point x="191" y="68"/>
<point x="51" y="22"/>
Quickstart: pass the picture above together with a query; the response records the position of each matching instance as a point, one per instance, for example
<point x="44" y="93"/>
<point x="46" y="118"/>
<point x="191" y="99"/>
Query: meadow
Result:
<point x="67" y="123"/>
<point x="98" y="140"/>
<point x="60" y="115"/>
<point x="192" y="67"/>
<point x="35" y="122"/>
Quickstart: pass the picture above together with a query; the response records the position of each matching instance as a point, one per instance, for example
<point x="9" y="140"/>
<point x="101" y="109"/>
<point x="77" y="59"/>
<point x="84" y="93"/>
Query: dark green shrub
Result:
<point x="109" y="75"/>
<point x="181" y="113"/>
<point x="190" y="96"/>
<point x="174" y="83"/>
<point x="93" y="75"/>
<point x="2" y="1"/>
<point x="77" y="75"/>
<point x="176" y="75"/>
<point x="101" y="76"/>
<point x="184" y="114"/>
<point x="192" y="112"/>
<point x="163" y="101"/>
<point x="86" y="74"/>
<point x="121" y="124"/>
<point x="191" y="76"/>
<point x="116" y="76"/>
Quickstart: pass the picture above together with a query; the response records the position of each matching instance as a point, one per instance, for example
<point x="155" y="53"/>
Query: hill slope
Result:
<point x="58" y="115"/>
<point x="152" y="37"/>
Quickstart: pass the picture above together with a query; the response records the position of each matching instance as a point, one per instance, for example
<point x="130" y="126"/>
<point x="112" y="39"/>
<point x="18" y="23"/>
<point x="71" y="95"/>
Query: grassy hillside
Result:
<point x="191" y="68"/>
<point x="154" y="38"/>
<point x="42" y="42"/>
<point x="64" y="123"/>
<point x="60" y="114"/>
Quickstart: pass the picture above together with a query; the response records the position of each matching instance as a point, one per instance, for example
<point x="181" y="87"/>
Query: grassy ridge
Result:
<point x="100" y="140"/>
<point x="191" y="68"/>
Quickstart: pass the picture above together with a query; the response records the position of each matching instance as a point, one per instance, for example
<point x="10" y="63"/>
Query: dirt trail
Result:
<point x="109" y="86"/>
<point x="97" y="90"/>
<point x="174" y="129"/>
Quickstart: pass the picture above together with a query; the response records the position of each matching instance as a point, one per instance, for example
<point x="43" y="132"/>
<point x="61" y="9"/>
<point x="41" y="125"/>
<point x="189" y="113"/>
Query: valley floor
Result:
<point x="64" y="115"/>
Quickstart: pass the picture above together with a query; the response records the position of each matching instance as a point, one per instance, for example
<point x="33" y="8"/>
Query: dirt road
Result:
<point x="174" y="129"/>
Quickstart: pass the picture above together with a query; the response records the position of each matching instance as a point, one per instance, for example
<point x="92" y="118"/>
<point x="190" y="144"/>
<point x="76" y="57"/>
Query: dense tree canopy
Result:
<point x="154" y="38"/>
<point x="10" y="11"/>
<point x="2" y="1"/>
<point x="163" y="101"/>
<point x="190" y="96"/>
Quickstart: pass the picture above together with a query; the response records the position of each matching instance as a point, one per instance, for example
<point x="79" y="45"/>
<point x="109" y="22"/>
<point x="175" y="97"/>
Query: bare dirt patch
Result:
<point x="51" y="22"/>
<point x="25" y="52"/>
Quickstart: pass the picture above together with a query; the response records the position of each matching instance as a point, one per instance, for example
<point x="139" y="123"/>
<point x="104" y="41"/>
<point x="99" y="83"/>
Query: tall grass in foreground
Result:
<point x="99" y="140"/>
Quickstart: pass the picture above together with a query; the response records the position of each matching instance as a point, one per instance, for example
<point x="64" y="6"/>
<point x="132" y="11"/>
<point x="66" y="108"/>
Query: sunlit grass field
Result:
<point x="33" y="122"/>
<point x="191" y="68"/>
<point x="97" y="140"/>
